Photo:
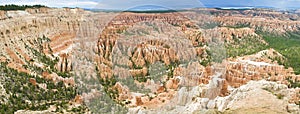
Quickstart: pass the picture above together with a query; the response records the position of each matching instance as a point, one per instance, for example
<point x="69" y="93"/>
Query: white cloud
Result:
<point x="53" y="3"/>
<point x="277" y="3"/>
<point x="107" y="4"/>
<point x="172" y="4"/>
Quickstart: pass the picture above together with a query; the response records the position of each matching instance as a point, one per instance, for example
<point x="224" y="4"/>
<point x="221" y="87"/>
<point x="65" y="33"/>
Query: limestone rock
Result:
<point x="293" y="108"/>
<point x="211" y="104"/>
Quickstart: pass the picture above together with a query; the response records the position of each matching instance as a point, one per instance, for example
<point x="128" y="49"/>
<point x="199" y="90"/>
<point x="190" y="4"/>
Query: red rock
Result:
<point x="33" y="81"/>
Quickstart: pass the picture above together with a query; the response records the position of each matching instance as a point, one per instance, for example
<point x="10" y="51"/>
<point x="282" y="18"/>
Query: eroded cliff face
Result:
<point x="62" y="27"/>
<point x="40" y="43"/>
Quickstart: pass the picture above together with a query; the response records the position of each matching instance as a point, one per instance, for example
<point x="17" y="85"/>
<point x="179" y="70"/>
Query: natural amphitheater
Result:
<point x="189" y="61"/>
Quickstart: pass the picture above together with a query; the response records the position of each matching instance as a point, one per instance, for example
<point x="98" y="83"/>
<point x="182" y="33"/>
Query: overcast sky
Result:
<point x="126" y="4"/>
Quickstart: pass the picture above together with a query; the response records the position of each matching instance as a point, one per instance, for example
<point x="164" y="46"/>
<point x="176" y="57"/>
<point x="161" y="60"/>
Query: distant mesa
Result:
<point x="235" y="8"/>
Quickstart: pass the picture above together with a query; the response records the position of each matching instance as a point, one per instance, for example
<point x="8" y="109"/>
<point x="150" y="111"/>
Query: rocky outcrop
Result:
<point x="64" y="64"/>
<point x="256" y="67"/>
<point x="56" y="78"/>
<point x="240" y="73"/>
<point x="3" y="15"/>
<point x="255" y="94"/>
<point x="38" y="10"/>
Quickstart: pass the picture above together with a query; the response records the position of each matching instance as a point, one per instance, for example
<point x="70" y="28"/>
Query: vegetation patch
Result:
<point x="241" y="25"/>
<point x="288" y="45"/>
<point x="293" y="84"/>
<point x="210" y="25"/>
<point x="244" y="46"/>
<point x="31" y="91"/>
<point x="25" y="95"/>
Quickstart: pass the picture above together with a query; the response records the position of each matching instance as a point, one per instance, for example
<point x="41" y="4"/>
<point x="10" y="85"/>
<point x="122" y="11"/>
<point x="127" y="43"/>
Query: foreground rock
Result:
<point x="254" y="97"/>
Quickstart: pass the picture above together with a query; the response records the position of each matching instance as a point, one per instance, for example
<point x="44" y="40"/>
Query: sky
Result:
<point x="127" y="4"/>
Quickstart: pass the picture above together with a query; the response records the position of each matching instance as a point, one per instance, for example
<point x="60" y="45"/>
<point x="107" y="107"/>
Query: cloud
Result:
<point x="267" y="3"/>
<point x="278" y="3"/>
<point x="53" y="3"/>
<point x="116" y="4"/>
<point x="128" y="4"/>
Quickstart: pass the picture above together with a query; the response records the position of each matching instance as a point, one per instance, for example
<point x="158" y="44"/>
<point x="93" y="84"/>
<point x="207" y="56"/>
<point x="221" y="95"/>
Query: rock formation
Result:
<point x="163" y="53"/>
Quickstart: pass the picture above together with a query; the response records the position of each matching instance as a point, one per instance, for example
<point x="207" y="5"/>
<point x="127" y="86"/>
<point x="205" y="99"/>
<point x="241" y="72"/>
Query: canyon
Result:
<point x="151" y="62"/>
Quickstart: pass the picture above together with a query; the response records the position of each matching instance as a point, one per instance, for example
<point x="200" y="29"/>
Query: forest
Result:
<point x="19" y="7"/>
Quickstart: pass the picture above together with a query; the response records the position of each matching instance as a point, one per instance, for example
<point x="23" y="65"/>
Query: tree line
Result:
<point x="19" y="7"/>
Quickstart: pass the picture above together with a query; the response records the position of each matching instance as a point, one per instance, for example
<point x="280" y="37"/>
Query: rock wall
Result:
<point x="257" y="67"/>
<point x="64" y="27"/>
